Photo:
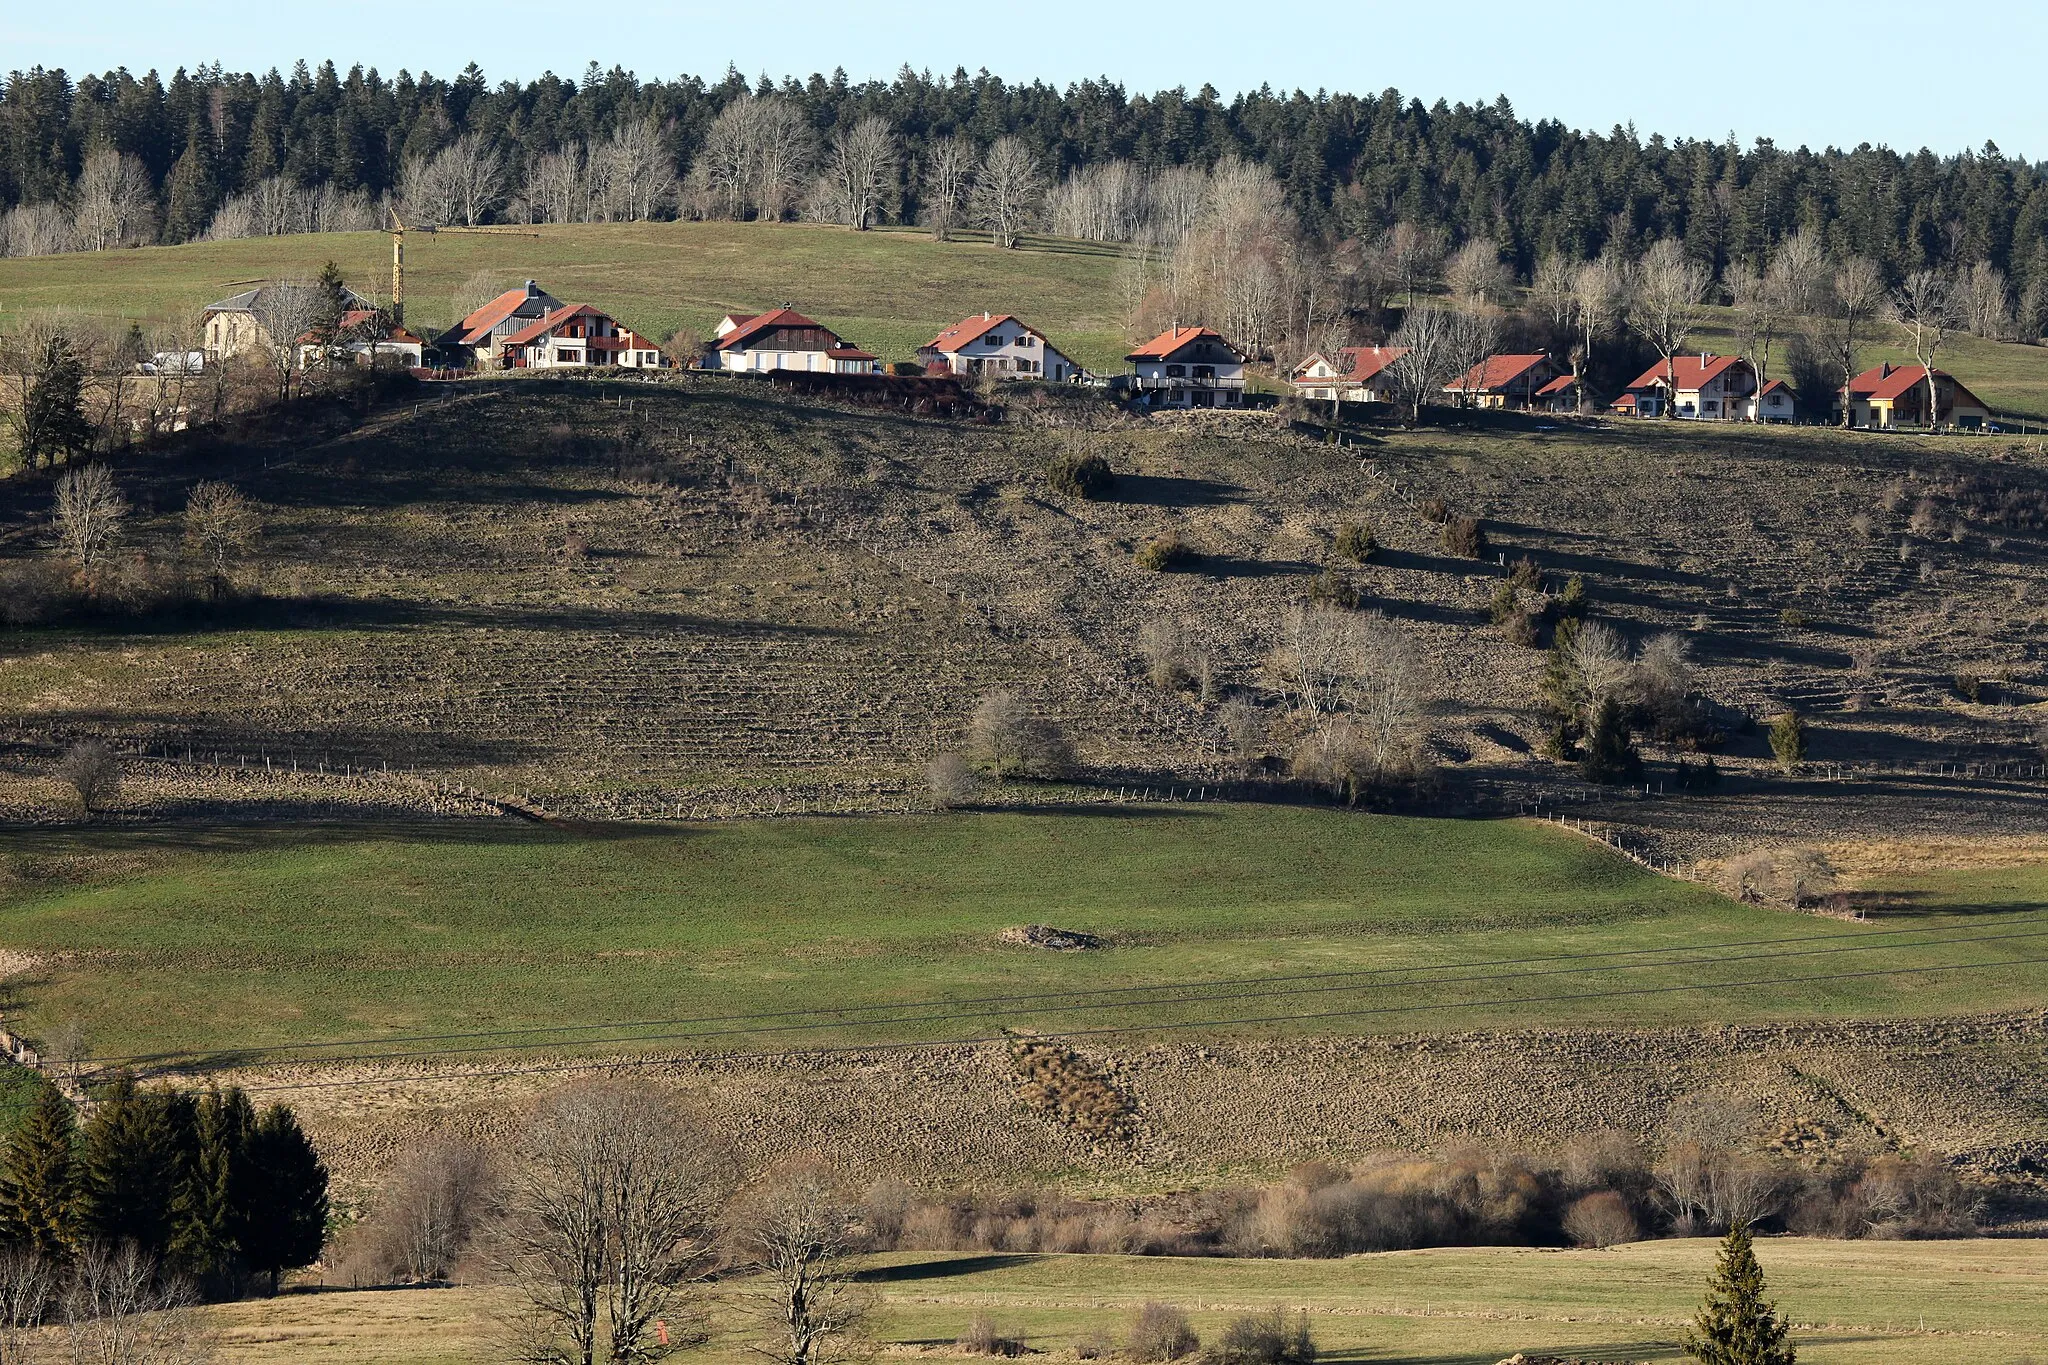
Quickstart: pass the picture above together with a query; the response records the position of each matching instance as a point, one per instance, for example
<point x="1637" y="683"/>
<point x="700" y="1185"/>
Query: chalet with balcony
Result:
<point x="577" y="336"/>
<point x="1562" y="395"/>
<point x="783" y="339"/>
<point x="1187" y="367"/>
<point x="1887" y="396"/>
<point x="999" y="345"/>
<point x="477" y="342"/>
<point x="1706" y="388"/>
<point x="1355" y="374"/>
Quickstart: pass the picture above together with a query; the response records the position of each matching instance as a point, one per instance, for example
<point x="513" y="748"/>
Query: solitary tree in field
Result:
<point x="89" y="515"/>
<point x="1736" y="1325"/>
<point x="1670" y="295"/>
<point x="1788" y="741"/>
<point x="1856" y="293"/>
<point x="948" y="174"/>
<point x="801" y="1234"/>
<point x="1007" y="189"/>
<point x="220" y="526"/>
<point x="92" y="772"/>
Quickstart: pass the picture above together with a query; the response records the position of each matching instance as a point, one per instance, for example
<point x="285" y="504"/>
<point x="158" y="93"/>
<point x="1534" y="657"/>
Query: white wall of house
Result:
<point x="1010" y="350"/>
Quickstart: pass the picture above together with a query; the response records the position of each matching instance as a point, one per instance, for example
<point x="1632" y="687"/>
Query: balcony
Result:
<point x="1149" y="382"/>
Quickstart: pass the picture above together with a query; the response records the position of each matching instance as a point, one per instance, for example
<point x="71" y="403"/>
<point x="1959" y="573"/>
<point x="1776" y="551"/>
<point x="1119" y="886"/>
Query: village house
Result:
<point x="576" y="337"/>
<point x="1356" y="374"/>
<point x="1187" y="367"/>
<point x="1703" y="388"/>
<point x="476" y="341"/>
<point x="999" y="345"/>
<point x="783" y="339"/>
<point x="1503" y="381"/>
<point x="1562" y="395"/>
<point x="1776" y="403"/>
<point x="1887" y="396"/>
<point x="364" y="338"/>
<point x="232" y="328"/>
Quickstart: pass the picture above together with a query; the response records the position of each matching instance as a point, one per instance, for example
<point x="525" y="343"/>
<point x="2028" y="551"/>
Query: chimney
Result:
<point x="984" y="315"/>
<point x="532" y="288"/>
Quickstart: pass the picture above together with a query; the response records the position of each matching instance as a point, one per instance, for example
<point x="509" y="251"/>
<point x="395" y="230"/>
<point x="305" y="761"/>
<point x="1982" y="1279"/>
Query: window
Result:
<point x="1176" y="371"/>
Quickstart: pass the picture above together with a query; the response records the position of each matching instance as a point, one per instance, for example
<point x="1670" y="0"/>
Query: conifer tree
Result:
<point x="38" y="1190"/>
<point x="1788" y="741"/>
<point x="132" y="1163"/>
<point x="1610" y="758"/>
<point x="193" y="190"/>
<point x="1556" y="686"/>
<point x="284" y="1214"/>
<point x="53" y="420"/>
<point x="208" y="1210"/>
<point x="1736" y="1326"/>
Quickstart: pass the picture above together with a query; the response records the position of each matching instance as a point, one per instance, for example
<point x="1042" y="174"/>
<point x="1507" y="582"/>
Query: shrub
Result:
<point x="1434" y="511"/>
<point x="1264" y="1339"/>
<point x="1094" y="1346"/>
<point x="952" y="782"/>
<point x="1969" y="687"/>
<point x="1696" y="776"/>
<point x="1610" y="758"/>
<point x="1793" y="618"/>
<point x="1330" y="588"/>
<point x="1163" y="647"/>
<point x="1602" y="1219"/>
<point x="92" y="772"/>
<point x="1465" y="536"/>
<point x="1795" y="876"/>
<point x="1007" y="740"/>
<point x="1788" y="741"/>
<point x="36" y="592"/>
<point x="1526" y="576"/>
<point x="1163" y="553"/>
<point x="1079" y="475"/>
<point x="1355" y="542"/>
<point x="982" y="1338"/>
<point x="1160" y="1332"/>
<point x="1571" y="603"/>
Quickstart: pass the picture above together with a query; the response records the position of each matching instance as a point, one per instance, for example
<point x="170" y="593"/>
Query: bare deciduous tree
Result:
<point x="1599" y="298"/>
<point x="555" y="190"/>
<point x="608" y="1209"/>
<point x="1927" y="306"/>
<point x="1476" y="275"/>
<point x="1552" y="284"/>
<point x="1760" y="307"/>
<point x="785" y="149"/>
<point x="1008" y="186"/>
<point x="1006" y="737"/>
<point x="951" y="780"/>
<point x="862" y="168"/>
<point x="119" y="1309"/>
<point x="286" y="311"/>
<point x="1437" y="345"/>
<point x="220" y="526"/>
<point x="28" y="1286"/>
<point x="948" y="179"/>
<point x="637" y="172"/>
<point x="1670" y="296"/>
<point x="799" y="1231"/>
<point x="1599" y="667"/>
<point x="92" y="772"/>
<point x="1856" y="294"/>
<point x="89" y="514"/>
<point x="115" y="200"/>
<point x="1987" y="302"/>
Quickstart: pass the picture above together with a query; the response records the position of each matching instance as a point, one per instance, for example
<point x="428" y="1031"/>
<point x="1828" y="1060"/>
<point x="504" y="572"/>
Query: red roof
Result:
<point x="1175" y="339"/>
<point x="966" y="331"/>
<point x="1692" y="372"/>
<point x="1356" y="364"/>
<point x="1887" y="383"/>
<point x="1494" y="372"/>
<point x="749" y="328"/>
<point x="1561" y="384"/>
<point x="478" y="325"/>
<point x="1774" y="386"/>
<point x="843" y="352"/>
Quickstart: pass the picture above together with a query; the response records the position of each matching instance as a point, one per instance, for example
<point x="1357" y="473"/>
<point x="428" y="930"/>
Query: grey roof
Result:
<point x="246" y="300"/>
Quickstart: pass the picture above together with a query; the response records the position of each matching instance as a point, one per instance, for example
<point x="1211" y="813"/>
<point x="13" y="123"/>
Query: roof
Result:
<point x="1774" y="386"/>
<point x="1495" y="372"/>
<point x="1888" y="383"/>
<point x="1561" y="384"/>
<point x="1358" y="364"/>
<point x="248" y="299"/>
<point x="1690" y="372"/>
<point x="1625" y="403"/>
<point x="843" y="352"/>
<point x="968" y="330"/>
<point x="749" y="328"/>
<point x="541" y="326"/>
<point x="1175" y="339"/>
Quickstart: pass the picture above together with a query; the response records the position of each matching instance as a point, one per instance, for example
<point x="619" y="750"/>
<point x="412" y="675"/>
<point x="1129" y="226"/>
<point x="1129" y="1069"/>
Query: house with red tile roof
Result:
<point x="364" y="337"/>
<point x="1561" y="395"/>
<point x="1777" y="403"/>
<point x="783" y="339"/>
<point x="1187" y="367"/>
<point x="1354" y="374"/>
<point x="1000" y="345"/>
<point x="1503" y="381"/>
<point x="1887" y="396"/>
<point x="577" y="336"/>
<point x="475" y="341"/>
<point x="1703" y="387"/>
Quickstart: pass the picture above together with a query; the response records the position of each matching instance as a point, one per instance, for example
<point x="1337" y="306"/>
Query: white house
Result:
<point x="577" y="337"/>
<point x="477" y="338"/>
<point x="1355" y="374"/>
<point x="231" y="325"/>
<point x="998" y="344"/>
<point x="364" y="338"/>
<point x="1702" y="387"/>
<point x="1778" y="404"/>
<point x="783" y="339"/>
<point x="1188" y="367"/>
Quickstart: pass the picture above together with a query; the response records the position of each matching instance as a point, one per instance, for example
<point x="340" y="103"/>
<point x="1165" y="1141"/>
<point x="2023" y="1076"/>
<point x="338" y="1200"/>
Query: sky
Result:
<point x="1817" y="72"/>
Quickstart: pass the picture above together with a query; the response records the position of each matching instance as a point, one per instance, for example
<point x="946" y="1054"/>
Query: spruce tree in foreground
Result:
<point x="38" y="1211"/>
<point x="1736" y="1326"/>
<point x="208" y="1209"/>
<point x="284" y="1221"/>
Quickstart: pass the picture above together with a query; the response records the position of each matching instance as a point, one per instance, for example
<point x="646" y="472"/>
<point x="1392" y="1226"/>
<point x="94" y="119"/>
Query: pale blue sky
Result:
<point x="1830" y="71"/>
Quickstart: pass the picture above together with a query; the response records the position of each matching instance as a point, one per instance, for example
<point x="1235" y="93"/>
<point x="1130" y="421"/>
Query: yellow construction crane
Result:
<point x="398" y="231"/>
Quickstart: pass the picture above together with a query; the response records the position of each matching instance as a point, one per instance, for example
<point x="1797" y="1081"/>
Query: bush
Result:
<point x="983" y="1339"/>
<point x="1264" y="1339"/>
<point x="1355" y="542"/>
<point x="1163" y="647"/>
<point x="35" y="592"/>
<point x="1160" y="1332"/>
<point x="1703" y="776"/>
<point x="1788" y="741"/>
<point x="1601" y="1220"/>
<point x="1610" y="758"/>
<point x="1079" y="475"/>
<point x="1571" y="603"/>
<point x="1794" y="877"/>
<point x="1330" y="588"/>
<point x="92" y="772"/>
<point x="1526" y="576"/>
<point x="1163" y="553"/>
<point x="1434" y="511"/>
<point x="1007" y="740"/>
<point x="1465" y="536"/>
<point x="952" y="782"/>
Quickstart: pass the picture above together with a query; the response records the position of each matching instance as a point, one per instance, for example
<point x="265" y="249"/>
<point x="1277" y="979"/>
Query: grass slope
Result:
<point x="1854" y="1303"/>
<point x="890" y="291"/>
<point x="212" y="939"/>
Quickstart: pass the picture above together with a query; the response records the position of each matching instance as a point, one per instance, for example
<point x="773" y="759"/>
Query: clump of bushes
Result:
<point x="1465" y="536"/>
<point x="984" y="1338"/>
<point x="92" y="772"/>
<point x="1061" y="1083"/>
<point x="1266" y="1338"/>
<point x="1007" y="739"/>
<point x="1078" y="474"/>
<point x="952" y="781"/>
<point x="1162" y="554"/>
<point x="1330" y="588"/>
<point x="1160" y="1332"/>
<point x="1435" y="511"/>
<point x="1355" y="543"/>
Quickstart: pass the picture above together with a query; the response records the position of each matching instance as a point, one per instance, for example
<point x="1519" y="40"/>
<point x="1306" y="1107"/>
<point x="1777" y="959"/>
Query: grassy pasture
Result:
<point x="1854" y="1303"/>
<point x="187" y="938"/>
<point x="890" y="291"/>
